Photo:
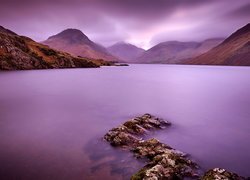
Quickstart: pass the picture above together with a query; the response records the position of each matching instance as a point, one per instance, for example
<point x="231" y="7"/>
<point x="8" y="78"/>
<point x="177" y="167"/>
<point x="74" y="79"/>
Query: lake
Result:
<point x="52" y="121"/>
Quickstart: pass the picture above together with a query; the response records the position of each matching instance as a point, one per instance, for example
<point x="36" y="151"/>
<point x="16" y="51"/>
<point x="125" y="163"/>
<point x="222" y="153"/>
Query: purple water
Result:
<point x="52" y="121"/>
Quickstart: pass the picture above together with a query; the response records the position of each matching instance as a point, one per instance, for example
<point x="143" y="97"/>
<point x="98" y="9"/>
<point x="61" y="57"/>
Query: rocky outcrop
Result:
<point x="163" y="162"/>
<point x="127" y="134"/>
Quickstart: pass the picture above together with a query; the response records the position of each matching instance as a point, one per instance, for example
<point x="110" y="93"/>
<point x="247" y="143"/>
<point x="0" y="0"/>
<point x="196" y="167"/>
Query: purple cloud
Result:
<point x="142" y="22"/>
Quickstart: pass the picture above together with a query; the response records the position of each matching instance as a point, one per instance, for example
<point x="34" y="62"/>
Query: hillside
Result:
<point x="19" y="52"/>
<point x="235" y="50"/>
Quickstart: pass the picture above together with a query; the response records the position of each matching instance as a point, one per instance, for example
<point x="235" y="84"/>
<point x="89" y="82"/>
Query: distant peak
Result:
<point x="121" y="43"/>
<point x="72" y="35"/>
<point x="71" y="31"/>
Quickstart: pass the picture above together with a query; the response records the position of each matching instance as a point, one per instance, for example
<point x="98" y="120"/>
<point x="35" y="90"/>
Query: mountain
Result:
<point x="125" y="51"/>
<point x="207" y="45"/>
<point x="172" y="52"/>
<point x="76" y="43"/>
<point x="235" y="50"/>
<point x="19" y="52"/>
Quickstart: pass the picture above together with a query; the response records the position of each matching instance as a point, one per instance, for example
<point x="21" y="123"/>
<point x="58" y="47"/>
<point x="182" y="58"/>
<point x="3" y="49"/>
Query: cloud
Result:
<point x="142" y="22"/>
<point x="242" y="11"/>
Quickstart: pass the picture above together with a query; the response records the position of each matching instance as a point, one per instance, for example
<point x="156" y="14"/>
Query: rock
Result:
<point x="127" y="133"/>
<point x="150" y="148"/>
<point x="117" y="64"/>
<point x="134" y="127"/>
<point x="164" y="161"/>
<point x="221" y="174"/>
<point x="120" y="138"/>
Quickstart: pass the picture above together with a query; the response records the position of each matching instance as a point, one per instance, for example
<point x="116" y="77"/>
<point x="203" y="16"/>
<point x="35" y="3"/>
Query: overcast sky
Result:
<point x="140" y="22"/>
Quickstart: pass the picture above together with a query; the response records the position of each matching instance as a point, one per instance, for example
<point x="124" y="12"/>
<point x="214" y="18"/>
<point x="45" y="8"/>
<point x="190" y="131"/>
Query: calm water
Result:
<point x="52" y="121"/>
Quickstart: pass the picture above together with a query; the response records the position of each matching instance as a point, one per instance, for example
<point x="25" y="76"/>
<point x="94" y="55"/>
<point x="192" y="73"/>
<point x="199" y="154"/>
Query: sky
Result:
<point x="144" y="23"/>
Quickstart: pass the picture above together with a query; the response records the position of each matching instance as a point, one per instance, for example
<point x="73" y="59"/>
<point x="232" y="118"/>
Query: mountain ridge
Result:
<point x="173" y="52"/>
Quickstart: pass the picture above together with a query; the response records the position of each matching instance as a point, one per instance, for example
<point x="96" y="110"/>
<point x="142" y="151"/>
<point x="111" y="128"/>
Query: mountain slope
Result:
<point x="235" y="50"/>
<point x="76" y="43"/>
<point x="172" y="52"/>
<point x="125" y="51"/>
<point x="19" y="52"/>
